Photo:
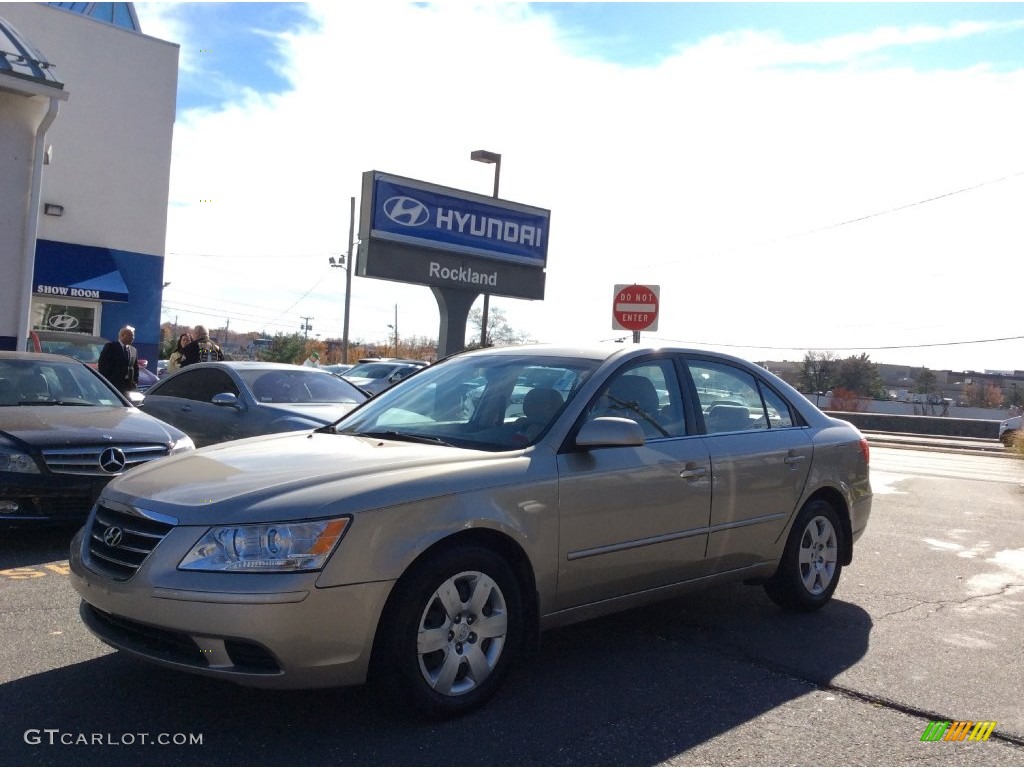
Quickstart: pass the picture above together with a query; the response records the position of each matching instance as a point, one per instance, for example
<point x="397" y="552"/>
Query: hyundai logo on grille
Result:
<point x="112" y="536"/>
<point x="62" y="322"/>
<point x="112" y="460"/>
<point x="406" y="211"/>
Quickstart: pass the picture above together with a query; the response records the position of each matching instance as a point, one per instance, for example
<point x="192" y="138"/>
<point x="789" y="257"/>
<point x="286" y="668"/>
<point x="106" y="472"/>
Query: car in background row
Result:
<point x="216" y="402"/>
<point x="375" y="376"/>
<point x="82" y="347"/>
<point x="64" y="433"/>
<point x="427" y="538"/>
<point x="1009" y="430"/>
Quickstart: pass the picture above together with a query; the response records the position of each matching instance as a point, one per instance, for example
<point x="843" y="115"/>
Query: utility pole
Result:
<point x="306" y="327"/>
<point x="348" y="278"/>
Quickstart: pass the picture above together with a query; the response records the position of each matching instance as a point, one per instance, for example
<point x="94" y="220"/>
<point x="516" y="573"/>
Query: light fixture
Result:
<point x="52" y="209"/>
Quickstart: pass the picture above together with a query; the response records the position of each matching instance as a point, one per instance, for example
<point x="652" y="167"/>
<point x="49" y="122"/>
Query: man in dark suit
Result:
<point x="119" y="361"/>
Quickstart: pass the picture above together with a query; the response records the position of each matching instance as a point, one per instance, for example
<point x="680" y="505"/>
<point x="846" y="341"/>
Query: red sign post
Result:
<point x="635" y="308"/>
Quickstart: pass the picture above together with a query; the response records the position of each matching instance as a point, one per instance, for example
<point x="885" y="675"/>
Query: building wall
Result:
<point x="112" y="138"/>
<point x="111" y="152"/>
<point x="19" y="117"/>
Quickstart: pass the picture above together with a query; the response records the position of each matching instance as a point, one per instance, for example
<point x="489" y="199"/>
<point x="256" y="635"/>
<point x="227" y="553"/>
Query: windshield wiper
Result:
<point x="409" y="437"/>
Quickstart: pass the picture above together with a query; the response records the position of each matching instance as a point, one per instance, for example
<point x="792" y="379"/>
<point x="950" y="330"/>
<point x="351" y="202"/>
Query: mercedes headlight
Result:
<point x="266" y="548"/>
<point x="13" y="460"/>
<point x="182" y="445"/>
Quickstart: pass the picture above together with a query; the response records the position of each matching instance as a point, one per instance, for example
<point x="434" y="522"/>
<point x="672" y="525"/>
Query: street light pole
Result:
<point x="483" y="156"/>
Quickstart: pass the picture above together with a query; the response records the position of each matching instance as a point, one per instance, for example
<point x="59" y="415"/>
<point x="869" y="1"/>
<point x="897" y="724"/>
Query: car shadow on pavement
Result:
<point x="637" y="688"/>
<point x="22" y="547"/>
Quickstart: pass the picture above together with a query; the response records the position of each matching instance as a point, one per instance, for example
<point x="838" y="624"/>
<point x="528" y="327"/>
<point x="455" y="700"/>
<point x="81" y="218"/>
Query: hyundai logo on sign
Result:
<point x="406" y="211"/>
<point x="427" y="215"/>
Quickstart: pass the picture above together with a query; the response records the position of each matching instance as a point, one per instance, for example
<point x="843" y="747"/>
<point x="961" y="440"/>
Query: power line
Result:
<point x="844" y="349"/>
<point x="876" y="214"/>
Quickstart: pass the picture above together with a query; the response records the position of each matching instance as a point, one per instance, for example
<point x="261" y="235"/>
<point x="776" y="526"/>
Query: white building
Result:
<point x="90" y="188"/>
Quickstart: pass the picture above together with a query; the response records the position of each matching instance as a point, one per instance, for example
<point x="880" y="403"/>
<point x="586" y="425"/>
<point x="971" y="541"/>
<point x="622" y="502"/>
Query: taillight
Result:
<point x="865" y="450"/>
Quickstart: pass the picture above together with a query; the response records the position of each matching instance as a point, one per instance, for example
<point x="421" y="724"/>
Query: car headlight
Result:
<point x="12" y="460"/>
<point x="182" y="445"/>
<point x="266" y="548"/>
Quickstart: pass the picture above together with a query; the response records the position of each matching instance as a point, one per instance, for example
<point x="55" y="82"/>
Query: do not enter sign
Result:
<point x="635" y="307"/>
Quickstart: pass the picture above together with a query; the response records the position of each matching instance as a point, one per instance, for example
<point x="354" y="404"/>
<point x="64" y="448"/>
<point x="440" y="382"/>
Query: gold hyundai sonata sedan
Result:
<point x="431" y="535"/>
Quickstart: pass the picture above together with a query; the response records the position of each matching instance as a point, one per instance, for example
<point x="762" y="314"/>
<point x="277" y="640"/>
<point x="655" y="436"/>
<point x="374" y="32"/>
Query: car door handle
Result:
<point x="795" y="458"/>
<point x="693" y="473"/>
<point x="186" y="409"/>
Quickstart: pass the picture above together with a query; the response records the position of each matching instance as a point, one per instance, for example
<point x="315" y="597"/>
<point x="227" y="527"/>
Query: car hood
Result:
<point x="321" y="413"/>
<point x="44" y="426"/>
<point x="362" y="381"/>
<point x="306" y="475"/>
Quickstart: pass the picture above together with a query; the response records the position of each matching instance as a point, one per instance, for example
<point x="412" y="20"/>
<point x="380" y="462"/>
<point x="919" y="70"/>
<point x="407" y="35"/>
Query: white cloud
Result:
<point x="712" y="174"/>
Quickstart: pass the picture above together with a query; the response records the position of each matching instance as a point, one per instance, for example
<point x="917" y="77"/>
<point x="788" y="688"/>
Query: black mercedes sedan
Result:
<point x="64" y="433"/>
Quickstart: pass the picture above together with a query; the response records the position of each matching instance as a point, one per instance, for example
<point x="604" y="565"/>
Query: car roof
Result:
<point x="600" y="351"/>
<point x="249" y="365"/>
<point x="37" y="356"/>
<point x="70" y="336"/>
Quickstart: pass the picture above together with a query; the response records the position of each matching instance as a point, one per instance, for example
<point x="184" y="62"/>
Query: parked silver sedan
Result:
<point x="216" y="402"/>
<point x="430" y="536"/>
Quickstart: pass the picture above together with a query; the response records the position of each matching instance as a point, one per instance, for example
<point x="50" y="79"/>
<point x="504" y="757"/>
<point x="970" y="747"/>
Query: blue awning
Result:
<point x="74" y="271"/>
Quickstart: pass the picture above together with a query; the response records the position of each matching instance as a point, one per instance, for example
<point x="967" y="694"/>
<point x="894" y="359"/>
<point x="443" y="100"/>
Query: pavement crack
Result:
<point x="940" y="604"/>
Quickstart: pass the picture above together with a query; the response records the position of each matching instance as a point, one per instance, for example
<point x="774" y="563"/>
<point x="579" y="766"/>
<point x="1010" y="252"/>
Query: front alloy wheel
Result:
<point x="462" y="633"/>
<point x="450" y="631"/>
<point x="809" y="571"/>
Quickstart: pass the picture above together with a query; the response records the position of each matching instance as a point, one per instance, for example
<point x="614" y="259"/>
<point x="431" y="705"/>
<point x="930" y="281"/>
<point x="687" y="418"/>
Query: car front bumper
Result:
<point x="281" y="632"/>
<point x="47" y="499"/>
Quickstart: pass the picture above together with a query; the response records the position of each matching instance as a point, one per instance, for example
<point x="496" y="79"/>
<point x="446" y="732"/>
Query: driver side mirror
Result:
<point x="226" y="399"/>
<point x="608" y="431"/>
<point x="135" y="397"/>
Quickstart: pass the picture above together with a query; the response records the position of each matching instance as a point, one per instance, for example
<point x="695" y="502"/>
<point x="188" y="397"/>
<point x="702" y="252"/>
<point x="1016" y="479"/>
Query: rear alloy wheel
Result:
<point x="809" y="571"/>
<point x="456" y="624"/>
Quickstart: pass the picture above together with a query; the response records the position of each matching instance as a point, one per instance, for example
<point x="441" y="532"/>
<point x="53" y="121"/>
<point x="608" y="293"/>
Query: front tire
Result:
<point x="451" y="632"/>
<point x="811" y="564"/>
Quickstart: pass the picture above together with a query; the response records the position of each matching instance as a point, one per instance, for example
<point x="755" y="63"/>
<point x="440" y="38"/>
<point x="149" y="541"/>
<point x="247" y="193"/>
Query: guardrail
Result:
<point x="983" y="429"/>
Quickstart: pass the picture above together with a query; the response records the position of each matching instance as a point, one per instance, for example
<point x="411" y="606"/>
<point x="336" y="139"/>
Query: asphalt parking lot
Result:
<point x="926" y="625"/>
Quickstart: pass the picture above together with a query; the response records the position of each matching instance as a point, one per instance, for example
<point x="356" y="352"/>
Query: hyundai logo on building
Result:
<point x="406" y="211"/>
<point x="62" y="322"/>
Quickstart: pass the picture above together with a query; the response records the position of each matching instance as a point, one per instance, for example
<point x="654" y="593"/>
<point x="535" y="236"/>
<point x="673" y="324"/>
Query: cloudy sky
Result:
<point x="793" y="176"/>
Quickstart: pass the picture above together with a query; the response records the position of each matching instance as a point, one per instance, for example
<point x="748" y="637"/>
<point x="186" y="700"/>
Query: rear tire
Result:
<point x="450" y="633"/>
<point x="811" y="564"/>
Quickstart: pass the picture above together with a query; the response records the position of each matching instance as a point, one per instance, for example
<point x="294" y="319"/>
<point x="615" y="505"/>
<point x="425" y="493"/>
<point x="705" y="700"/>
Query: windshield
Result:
<point x="87" y="349"/>
<point x="371" y="370"/>
<point x="301" y="385"/>
<point x="493" y="402"/>
<point x="31" y="382"/>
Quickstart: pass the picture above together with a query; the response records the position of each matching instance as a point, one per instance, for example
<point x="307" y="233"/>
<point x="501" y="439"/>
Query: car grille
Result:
<point x="176" y="647"/>
<point x="102" y="460"/>
<point x="119" y="542"/>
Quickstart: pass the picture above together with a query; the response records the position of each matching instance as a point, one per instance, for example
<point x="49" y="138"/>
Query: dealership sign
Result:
<point x="417" y="213"/>
<point x="422" y="233"/>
